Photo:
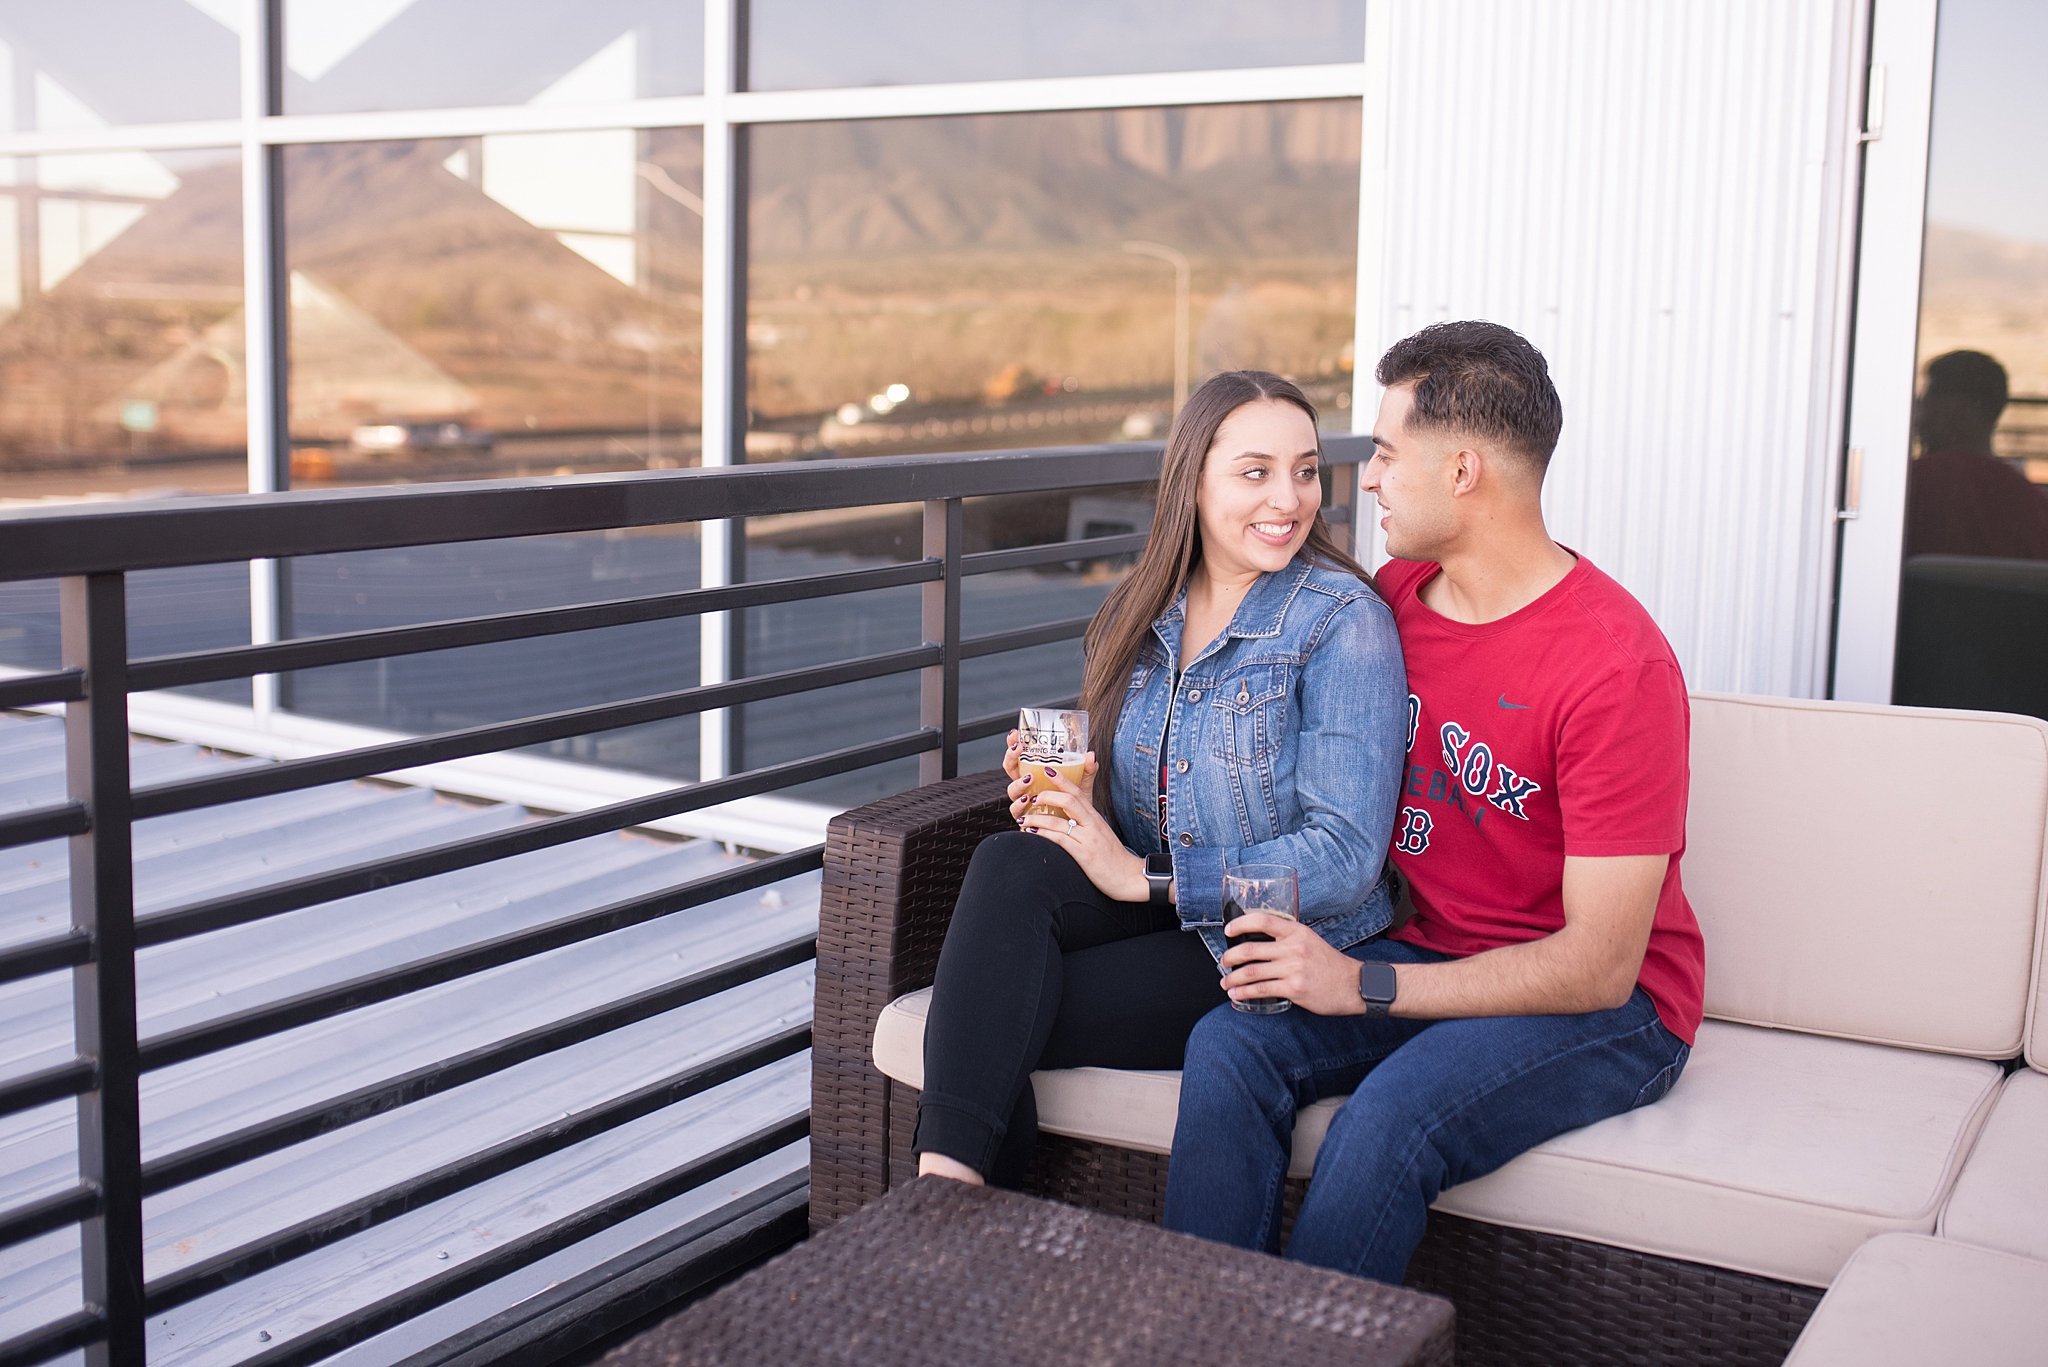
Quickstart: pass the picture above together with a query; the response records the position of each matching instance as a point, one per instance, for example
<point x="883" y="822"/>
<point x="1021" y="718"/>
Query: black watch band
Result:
<point x="1159" y="879"/>
<point x="1376" y="986"/>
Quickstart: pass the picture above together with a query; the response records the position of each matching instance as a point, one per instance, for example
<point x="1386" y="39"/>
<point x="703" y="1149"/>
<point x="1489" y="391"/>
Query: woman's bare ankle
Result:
<point x="938" y="1165"/>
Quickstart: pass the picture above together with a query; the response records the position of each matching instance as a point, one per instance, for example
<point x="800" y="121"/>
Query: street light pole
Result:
<point x="1181" y="270"/>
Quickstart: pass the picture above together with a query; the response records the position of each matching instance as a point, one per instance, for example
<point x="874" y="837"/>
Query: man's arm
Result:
<point x="1589" y="965"/>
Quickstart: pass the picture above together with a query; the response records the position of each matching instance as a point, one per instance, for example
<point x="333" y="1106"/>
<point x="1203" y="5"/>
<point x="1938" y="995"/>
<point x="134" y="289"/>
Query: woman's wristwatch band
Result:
<point x="1159" y="879"/>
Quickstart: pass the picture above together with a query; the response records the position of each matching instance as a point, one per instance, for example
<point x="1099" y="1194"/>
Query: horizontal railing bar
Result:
<point x="313" y="652"/>
<point x="265" y="780"/>
<point x="46" y="1085"/>
<point x="239" y="1264"/>
<point x="29" y="690"/>
<point x="374" y="1319"/>
<point x="995" y="723"/>
<point x="308" y="1122"/>
<point x="273" y="1018"/>
<point x="44" y="823"/>
<point x="38" y="957"/>
<point x="996" y="643"/>
<point x="51" y="1212"/>
<point x="1028" y="557"/>
<point x="256" y="905"/>
<point x="58" y="1337"/>
<point x="156" y="533"/>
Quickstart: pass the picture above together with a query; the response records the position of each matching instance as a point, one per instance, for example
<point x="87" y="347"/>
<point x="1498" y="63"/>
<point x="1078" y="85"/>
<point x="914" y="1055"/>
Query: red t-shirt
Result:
<point x="1559" y="729"/>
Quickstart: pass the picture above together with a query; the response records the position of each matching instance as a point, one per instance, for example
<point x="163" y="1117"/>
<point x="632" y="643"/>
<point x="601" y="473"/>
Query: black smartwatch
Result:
<point x="1376" y="984"/>
<point x="1159" y="878"/>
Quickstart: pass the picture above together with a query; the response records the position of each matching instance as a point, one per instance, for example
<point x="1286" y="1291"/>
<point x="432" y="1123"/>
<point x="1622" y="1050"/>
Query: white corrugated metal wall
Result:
<point x="1654" y="193"/>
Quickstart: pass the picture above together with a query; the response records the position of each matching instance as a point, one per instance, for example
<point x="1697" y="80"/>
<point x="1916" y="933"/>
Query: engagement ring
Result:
<point x="1071" y="823"/>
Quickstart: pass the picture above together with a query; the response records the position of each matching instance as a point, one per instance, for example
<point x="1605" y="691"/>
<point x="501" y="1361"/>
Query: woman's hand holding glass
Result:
<point x="1062" y="812"/>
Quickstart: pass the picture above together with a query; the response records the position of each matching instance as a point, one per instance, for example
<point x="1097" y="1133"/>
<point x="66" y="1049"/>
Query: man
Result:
<point x="1961" y="499"/>
<point x="1551" y="973"/>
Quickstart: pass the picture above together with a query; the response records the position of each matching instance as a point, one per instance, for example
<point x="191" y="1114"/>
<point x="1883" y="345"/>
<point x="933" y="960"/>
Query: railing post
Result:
<point x="267" y="322"/>
<point x="938" y="706"/>
<point x="95" y="626"/>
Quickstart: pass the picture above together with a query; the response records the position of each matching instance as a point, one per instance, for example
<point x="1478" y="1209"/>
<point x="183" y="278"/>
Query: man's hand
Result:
<point x="1299" y="965"/>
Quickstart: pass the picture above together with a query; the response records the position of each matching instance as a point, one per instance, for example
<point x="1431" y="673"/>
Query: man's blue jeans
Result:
<point x="1433" y="1104"/>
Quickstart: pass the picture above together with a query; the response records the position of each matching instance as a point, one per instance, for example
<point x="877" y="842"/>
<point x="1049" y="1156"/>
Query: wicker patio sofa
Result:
<point x="1870" y="883"/>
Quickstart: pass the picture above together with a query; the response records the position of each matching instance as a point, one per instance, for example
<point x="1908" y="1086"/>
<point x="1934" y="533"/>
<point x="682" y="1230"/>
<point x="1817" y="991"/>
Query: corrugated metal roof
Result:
<point x="194" y="855"/>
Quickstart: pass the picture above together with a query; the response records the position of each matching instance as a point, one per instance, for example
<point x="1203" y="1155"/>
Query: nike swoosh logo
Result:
<point x="1519" y="705"/>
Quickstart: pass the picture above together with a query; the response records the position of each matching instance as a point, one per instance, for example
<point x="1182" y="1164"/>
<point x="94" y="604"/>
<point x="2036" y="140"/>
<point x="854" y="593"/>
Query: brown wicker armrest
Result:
<point x="892" y="872"/>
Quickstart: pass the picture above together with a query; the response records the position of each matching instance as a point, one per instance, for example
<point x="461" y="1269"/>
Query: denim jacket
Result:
<point x="1288" y="732"/>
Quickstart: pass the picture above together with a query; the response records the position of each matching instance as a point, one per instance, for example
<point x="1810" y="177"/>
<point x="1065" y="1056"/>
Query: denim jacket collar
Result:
<point x="1262" y="613"/>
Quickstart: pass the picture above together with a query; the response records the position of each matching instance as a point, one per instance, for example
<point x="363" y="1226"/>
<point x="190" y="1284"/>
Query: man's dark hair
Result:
<point x="1482" y="379"/>
<point x="1970" y="377"/>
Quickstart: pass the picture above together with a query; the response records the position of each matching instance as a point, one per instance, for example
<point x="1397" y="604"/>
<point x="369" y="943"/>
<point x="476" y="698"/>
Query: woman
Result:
<point x="1249" y="683"/>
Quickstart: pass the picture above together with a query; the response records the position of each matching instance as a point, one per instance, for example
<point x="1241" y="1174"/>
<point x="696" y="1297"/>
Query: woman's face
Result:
<point x="1259" y="491"/>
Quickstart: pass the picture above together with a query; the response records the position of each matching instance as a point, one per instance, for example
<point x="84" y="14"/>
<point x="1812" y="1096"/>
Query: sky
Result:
<point x="1988" y="167"/>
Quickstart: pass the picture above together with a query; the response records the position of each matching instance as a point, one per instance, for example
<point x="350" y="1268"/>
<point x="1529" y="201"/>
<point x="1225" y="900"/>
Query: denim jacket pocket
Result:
<point x="1251" y="712"/>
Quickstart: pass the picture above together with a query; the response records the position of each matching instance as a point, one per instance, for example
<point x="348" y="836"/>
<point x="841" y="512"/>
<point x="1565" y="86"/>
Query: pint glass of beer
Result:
<point x="1053" y="738"/>
<point x="1272" y="889"/>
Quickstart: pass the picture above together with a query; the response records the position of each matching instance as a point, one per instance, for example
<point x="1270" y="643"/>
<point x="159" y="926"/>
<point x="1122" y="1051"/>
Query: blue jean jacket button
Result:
<point x="1186" y="839"/>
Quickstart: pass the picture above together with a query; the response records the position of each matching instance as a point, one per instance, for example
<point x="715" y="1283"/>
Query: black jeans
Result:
<point x="1040" y="970"/>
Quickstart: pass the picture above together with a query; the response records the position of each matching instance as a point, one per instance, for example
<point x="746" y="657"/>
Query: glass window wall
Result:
<point x="72" y="67"/>
<point x="349" y="56"/>
<point x="1020" y="280"/>
<point x="806" y="44"/>
<point x="1973" y="603"/>
<point x="515" y="304"/>
<point x="1023" y="279"/>
<point x="122" y="364"/>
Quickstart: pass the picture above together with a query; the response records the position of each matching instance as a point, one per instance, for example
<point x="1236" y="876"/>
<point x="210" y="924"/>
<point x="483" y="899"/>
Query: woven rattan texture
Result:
<point x="1543" y="1300"/>
<point x="944" y="1273"/>
<point x="892" y="870"/>
<point x="1080" y="1172"/>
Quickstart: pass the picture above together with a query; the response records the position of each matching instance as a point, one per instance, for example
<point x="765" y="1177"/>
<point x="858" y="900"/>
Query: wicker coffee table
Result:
<point x="942" y="1273"/>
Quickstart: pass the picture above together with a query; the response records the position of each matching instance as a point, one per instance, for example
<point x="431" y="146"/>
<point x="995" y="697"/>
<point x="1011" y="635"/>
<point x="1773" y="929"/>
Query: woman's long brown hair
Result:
<point x="1175" y="548"/>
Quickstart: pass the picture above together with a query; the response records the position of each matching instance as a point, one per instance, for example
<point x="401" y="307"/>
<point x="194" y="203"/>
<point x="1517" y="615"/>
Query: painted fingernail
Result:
<point x="1051" y="772"/>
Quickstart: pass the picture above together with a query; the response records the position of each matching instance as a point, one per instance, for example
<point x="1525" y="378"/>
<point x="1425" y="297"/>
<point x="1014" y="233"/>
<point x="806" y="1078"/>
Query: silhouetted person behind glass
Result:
<point x="1960" y="498"/>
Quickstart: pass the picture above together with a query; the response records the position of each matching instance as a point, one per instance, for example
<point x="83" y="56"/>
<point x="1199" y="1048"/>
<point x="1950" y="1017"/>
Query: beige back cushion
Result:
<point x="1868" y="872"/>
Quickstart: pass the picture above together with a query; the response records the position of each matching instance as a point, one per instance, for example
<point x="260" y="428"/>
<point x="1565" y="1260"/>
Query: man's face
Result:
<point x="1410" y="476"/>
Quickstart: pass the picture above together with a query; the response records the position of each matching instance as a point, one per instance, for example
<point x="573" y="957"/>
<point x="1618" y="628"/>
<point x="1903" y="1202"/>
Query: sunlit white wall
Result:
<point x="1649" y="193"/>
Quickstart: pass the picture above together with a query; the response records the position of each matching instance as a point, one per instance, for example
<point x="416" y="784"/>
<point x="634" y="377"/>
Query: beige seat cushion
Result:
<point x="1130" y="1110"/>
<point x="1777" y="1153"/>
<point x="1842" y="886"/>
<point x="2001" y="1200"/>
<point x="1907" y="1299"/>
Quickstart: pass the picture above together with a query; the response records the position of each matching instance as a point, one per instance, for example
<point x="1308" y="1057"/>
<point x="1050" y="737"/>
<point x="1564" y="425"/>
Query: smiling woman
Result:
<point x="1248" y="682"/>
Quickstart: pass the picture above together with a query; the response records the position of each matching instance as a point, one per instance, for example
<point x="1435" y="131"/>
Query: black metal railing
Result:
<point x="92" y="550"/>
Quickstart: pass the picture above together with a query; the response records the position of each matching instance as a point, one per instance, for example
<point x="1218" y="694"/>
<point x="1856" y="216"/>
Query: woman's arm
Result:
<point x="1347" y="774"/>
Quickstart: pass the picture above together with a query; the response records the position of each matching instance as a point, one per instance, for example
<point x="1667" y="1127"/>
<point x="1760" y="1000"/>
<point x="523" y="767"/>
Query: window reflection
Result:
<point x="507" y="305"/>
<point x="1008" y="280"/>
<point x="121" y="331"/>
<point x="1014" y="281"/>
<point x="805" y="44"/>
<point x="71" y="66"/>
<point x="343" y="56"/>
<point x="1973" y="601"/>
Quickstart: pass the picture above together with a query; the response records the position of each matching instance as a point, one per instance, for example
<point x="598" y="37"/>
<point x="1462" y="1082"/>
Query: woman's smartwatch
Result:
<point x="1159" y="878"/>
<point x="1376" y="984"/>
